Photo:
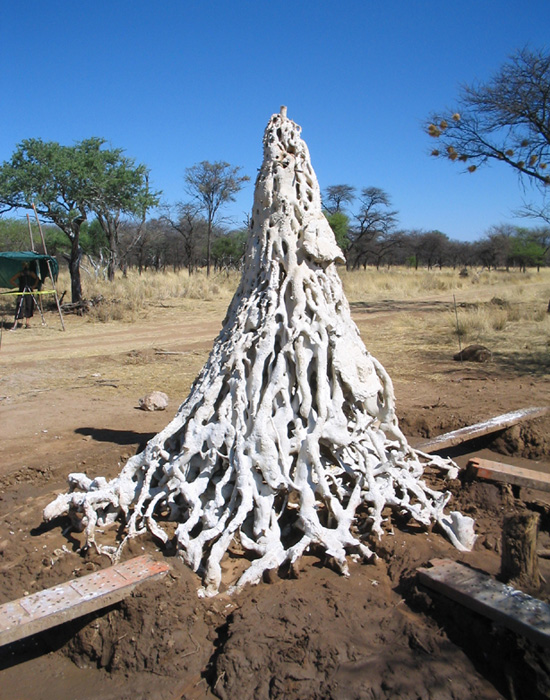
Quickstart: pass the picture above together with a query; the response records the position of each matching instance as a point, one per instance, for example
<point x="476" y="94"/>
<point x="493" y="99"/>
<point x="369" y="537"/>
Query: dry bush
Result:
<point x="487" y="322"/>
<point x="475" y="323"/>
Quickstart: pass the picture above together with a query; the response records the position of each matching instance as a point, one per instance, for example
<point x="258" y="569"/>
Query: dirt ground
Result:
<point x="68" y="402"/>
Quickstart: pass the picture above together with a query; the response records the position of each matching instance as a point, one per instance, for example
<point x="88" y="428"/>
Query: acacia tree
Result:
<point x="375" y="219"/>
<point x="67" y="183"/>
<point x="53" y="179"/>
<point x="385" y="247"/>
<point x="14" y="234"/>
<point x="116" y="187"/>
<point x="339" y="223"/>
<point x="336" y="196"/>
<point x="493" y="250"/>
<point x="504" y="119"/>
<point x="432" y="248"/>
<point x="185" y="220"/>
<point x="526" y="250"/>
<point x="542" y="235"/>
<point x="211" y="185"/>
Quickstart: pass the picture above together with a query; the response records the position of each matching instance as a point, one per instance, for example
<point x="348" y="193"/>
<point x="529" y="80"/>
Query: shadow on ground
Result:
<point x="117" y="437"/>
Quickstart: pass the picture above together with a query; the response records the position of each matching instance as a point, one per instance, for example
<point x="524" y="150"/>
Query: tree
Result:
<point x="526" y="250"/>
<point x="542" y="236"/>
<point x="14" y="234"/>
<point x="212" y="185"/>
<point x="53" y="178"/>
<point x="374" y="219"/>
<point x="228" y="249"/>
<point x="116" y="187"/>
<point x="67" y="183"/>
<point x="431" y="248"/>
<point x="336" y="196"/>
<point x="505" y="119"/>
<point x="494" y="249"/>
<point x="339" y="223"/>
<point x="93" y="239"/>
<point x="385" y="245"/>
<point x="334" y="199"/>
<point x="184" y="219"/>
<point x="460" y="253"/>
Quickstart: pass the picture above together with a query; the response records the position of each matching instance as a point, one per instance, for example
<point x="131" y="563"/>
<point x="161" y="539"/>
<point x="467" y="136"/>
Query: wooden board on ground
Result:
<point x="477" y="591"/>
<point x="508" y="474"/>
<point x="53" y="606"/>
<point x="456" y="437"/>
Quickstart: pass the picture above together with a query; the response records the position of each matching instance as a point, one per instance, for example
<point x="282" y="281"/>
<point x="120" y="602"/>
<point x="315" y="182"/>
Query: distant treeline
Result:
<point x="164" y="243"/>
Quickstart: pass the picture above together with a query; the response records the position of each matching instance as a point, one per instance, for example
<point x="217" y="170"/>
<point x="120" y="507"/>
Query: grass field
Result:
<point x="506" y="311"/>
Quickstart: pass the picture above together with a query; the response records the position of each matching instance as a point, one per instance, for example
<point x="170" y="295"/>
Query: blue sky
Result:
<point x="178" y="82"/>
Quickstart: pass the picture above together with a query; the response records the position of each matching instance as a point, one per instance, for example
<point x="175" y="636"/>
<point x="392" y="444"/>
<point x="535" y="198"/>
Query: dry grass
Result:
<point x="135" y="292"/>
<point x="481" y="321"/>
<point x="406" y="315"/>
<point x="397" y="283"/>
<point x="407" y="283"/>
<point x="406" y="318"/>
<point x="506" y="311"/>
<point x="518" y="328"/>
<point x="129" y="298"/>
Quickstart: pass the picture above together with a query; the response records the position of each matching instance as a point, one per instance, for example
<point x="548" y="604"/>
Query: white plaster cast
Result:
<point x="290" y="427"/>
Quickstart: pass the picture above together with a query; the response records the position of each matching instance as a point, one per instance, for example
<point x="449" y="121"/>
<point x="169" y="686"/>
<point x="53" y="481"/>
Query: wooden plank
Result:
<point x="504" y="604"/>
<point x="508" y="474"/>
<point x="456" y="437"/>
<point x="53" y="606"/>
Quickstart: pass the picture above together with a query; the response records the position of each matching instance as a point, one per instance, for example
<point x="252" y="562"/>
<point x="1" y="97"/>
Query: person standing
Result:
<point x="28" y="282"/>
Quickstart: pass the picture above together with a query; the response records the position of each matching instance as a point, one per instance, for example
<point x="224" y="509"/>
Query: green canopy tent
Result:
<point x="44" y="266"/>
<point x="12" y="263"/>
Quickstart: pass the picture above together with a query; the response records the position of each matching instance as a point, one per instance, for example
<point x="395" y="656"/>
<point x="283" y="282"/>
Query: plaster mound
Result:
<point x="289" y="432"/>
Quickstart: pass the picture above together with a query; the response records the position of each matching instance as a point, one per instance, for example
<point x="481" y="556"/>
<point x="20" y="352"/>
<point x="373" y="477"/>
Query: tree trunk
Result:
<point x="113" y="259"/>
<point x="74" y="269"/>
<point x="208" y="244"/>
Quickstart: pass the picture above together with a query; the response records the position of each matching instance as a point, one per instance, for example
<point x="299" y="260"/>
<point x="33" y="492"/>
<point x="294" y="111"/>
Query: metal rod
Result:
<point x="457" y="329"/>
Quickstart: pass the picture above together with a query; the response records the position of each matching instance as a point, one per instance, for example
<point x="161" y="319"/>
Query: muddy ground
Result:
<point x="68" y="402"/>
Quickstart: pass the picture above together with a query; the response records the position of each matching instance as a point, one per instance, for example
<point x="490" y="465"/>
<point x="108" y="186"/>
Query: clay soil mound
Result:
<point x="308" y="633"/>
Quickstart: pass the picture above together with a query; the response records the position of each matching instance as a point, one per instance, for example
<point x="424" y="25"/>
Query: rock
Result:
<point x="474" y="353"/>
<point x="155" y="401"/>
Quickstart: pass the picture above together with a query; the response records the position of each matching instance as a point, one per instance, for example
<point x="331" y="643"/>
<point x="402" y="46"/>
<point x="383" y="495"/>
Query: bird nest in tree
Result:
<point x="290" y="430"/>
